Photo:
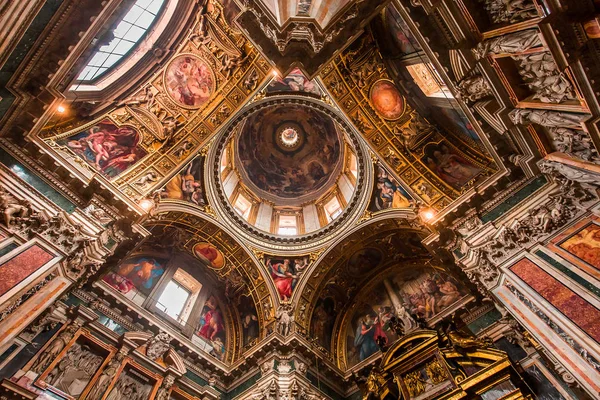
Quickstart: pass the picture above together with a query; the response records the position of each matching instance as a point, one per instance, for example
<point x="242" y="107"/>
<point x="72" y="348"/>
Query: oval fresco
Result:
<point x="189" y="81"/>
<point x="363" y="261"/>
<point x="209" y="254"/>
<point x="386" y="99"/>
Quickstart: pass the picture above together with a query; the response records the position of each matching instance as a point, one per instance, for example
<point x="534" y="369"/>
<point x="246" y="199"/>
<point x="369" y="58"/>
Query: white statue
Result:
<point x="571" y="173"/>
<point x="510" y="43"/>
<point x="547" y="118"/>
<point x="285" y="319"/>
<point x="158" y="345"/>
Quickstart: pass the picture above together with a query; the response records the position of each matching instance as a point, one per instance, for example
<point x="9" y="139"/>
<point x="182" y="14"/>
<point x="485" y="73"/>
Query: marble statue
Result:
<point x="158" y="345"/>
<point x="510" y="43"/>
<point x="474" y="88"/>
<point x="571" y="173"/>
<point x="547" y="118"/>
<point x="541" y="75"/>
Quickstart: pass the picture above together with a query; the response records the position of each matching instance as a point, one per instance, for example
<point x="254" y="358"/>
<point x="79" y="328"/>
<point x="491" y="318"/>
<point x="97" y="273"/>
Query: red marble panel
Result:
<point x="573" y="306"/>
<point x="15" y="270"/>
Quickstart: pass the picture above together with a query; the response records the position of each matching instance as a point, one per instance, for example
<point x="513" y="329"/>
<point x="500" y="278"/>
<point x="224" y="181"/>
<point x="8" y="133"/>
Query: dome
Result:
<point x="288" y="166"/>
<point x="289" y="154"/>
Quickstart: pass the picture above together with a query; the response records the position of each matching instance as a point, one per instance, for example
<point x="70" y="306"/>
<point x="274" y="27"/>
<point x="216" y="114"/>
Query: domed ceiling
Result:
<point x="289" y="153"/>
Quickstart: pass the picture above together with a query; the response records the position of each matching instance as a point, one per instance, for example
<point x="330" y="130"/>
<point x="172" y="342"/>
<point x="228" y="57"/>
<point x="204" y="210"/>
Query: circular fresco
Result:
<point x="363" y="261"/>
<point x="189" y="81"/>
<point x="289" y="152"/>
<point x="386" y="99"/>
<point x="209" y="254"/>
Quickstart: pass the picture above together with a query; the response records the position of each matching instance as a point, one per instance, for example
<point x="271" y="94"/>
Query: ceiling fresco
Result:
<point x="290" y="140"/>
<point x="239" y="299"/>
<point x="298" y="166"/>
<point x="136" y="146"/>
<point x="417" y="150"/>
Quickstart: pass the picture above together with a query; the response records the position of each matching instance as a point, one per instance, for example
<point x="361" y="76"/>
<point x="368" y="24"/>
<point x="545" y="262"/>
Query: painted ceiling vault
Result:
<point x="300" y="186"/>
<point x="269" y="183"/>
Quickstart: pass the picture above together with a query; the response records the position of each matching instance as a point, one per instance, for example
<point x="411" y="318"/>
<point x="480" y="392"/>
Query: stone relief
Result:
<point x="549" y="119"/>
<point x="510" y="43"/>
<point x="541" y="75"/>
<point x="576" y="143"/>
<point x="55" y="347"/>
<point x="510" y="11"/>
<point x="474" y="88"/>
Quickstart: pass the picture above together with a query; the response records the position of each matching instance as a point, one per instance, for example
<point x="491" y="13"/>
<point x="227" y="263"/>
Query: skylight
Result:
<point x="127" y="35"/>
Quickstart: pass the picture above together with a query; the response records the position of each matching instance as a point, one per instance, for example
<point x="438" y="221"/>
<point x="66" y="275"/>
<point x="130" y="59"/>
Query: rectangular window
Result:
<point x="287" y="225"/>
<point x="243" y="206"/>
<point x="173" y="299"/>
<point x="333" y="209"/>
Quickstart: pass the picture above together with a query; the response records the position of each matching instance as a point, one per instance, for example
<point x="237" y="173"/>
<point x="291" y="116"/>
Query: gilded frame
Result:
<point x="81" y="333"/>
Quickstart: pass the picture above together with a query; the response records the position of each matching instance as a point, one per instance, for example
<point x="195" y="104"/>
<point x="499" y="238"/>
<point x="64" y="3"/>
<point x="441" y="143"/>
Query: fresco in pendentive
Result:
<point x="284" y="172"/>
<point x="249" y="317"/>
<point x="136" y="276"/>
<point x="212" y="328"/>
<point x="451" y="167"/>
<point x="585" y="245"/>
<point x="386" y="99"/>
<point x="187" y="184"/>
<point x="295" y="81"/>
<point x="109" y="149"/>
<point x="426" y="293"/>
<point x="323" y="321"/>
<point x="285" y="273"/>
<point x="209" y="255"/>
<point x="189" y="81"/>
<point x="388" y="193"/>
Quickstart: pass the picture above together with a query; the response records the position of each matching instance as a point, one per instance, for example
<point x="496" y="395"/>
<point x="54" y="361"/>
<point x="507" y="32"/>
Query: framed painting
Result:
<point x="580" y="245"/>
<point x="106" y="147"/>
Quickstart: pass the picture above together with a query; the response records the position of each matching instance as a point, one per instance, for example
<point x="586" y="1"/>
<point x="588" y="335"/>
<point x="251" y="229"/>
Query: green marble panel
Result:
<point x="513" y="200"/>
<point x="38" y="183"/>
<point x="583" y="282"/>
<point x="484" y="321"/>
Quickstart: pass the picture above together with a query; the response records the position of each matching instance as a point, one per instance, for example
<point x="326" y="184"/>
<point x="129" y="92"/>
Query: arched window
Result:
<point x="128" y="33"/>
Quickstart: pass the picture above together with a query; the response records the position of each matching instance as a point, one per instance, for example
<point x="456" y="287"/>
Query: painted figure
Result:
<point x="107" y="148"/>
<point x="367" y="333"/>
<point x="451" y="168"/>
<point x="285" y="275"/>
<point x="211" y="320"/>
<point x="187" y="185"/>
<point x="189" y="81"/>
<point x="141" y="273"/>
